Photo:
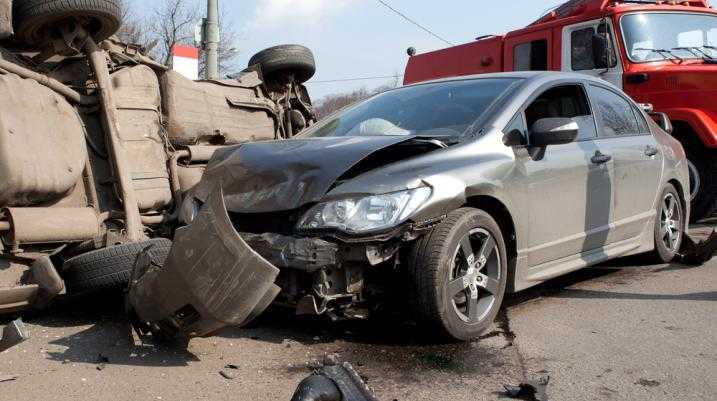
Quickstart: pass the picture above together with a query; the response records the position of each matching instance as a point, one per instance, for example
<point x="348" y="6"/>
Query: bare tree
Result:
<point x="134" y="30"/>
<point x="332" y="103"/>
<point x="172" y="22"/>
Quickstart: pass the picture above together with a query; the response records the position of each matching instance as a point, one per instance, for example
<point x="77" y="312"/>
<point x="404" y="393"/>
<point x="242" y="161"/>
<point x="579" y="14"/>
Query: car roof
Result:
<point x="532" y="76"/>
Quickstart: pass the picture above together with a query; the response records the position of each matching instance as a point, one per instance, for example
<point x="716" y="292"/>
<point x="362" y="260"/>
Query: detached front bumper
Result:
<point x="211" y="279"/>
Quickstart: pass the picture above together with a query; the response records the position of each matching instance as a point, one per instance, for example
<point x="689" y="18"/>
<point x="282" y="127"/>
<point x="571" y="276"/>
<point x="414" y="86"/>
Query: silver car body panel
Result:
<point x="567" y="214"/>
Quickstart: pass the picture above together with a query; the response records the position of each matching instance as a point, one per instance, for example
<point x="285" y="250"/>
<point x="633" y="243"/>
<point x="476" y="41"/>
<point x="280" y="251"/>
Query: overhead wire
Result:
<point x="414" y="22"/>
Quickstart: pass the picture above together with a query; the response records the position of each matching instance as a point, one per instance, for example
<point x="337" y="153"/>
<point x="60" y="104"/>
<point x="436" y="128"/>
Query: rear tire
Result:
<point x="452" y="299"/>
<point x="669" y="226"/>
<point x="33" y="18"/>
<point x="294" y="60"/>
<point x="703" y="173"/>
<point x="108" y="269"/>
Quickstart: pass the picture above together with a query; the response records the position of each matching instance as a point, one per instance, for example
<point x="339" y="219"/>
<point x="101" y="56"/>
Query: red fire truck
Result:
<point x="660" y="52"/>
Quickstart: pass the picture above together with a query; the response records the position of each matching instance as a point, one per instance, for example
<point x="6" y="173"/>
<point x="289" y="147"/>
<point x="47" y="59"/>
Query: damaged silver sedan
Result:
<point x="442" y="196"/>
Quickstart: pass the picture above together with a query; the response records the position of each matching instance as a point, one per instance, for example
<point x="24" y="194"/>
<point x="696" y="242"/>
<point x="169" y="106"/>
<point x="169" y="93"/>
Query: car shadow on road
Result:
<point x="108" y="340"/>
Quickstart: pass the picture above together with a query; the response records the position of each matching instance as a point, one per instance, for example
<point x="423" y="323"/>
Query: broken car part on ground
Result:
<point x="99" y="144"/>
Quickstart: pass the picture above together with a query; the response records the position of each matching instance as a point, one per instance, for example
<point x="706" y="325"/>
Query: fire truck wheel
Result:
<point x="33" y="19"/>
<point x="286" y="59"/>
<point x="109" y="268"/>
<point x="703" y="180"/>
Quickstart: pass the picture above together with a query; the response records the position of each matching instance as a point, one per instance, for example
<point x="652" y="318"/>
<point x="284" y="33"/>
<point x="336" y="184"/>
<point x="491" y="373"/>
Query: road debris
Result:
<point x="13" y="334"/>
<point x="230" y="372"/>
<point x="696" y="254"/>
<point x="335" y="381"/>
<point x="530" y="391"/>
<point x="102" y="362"/>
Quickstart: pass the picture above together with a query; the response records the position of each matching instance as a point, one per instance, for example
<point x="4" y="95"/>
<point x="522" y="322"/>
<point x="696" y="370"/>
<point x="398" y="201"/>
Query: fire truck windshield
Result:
<point x="669" y="35"/>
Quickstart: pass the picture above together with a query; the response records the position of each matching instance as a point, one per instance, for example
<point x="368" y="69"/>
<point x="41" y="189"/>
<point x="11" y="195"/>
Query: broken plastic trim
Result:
<point x="211" y="279"/>
<point x="697" y="254"/>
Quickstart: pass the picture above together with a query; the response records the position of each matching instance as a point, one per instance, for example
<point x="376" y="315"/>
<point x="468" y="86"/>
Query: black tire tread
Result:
<point x="424" y="265"/>
<point x="296" y="58"/>
<point x="29" y="14"/>
<point x="109" y="268"/>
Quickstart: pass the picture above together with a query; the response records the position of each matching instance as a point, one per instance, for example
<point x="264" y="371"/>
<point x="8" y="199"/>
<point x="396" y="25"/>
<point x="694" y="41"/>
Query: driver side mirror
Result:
<point x="663" y="121"/>
<point x="553" y="131"/>
<point x="601" y="53"/>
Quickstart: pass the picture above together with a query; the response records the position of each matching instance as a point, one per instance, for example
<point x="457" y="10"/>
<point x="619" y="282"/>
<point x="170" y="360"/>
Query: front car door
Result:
<point x="569" y="196"/>
<point x="626" y="137"/>
<point x="579" y="53"/>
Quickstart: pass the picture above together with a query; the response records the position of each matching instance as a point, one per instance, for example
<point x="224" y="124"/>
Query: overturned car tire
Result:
<point x="286" y="60"/>
<point x="33" y="18"/>
<point x="109" y="268"/>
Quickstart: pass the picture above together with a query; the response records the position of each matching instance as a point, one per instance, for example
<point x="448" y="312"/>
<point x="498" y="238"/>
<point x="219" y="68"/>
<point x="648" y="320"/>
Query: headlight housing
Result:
<point x="367" y="214"/>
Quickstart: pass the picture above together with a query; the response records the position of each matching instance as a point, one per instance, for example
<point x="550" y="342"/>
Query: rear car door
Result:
<point x="626" y="136"/>
<point x="569" y="196"/>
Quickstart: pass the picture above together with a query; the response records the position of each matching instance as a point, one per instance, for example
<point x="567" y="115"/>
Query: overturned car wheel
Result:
<point x="34" y="18"/>
<point x="293" y="60"/>
<point x="108" y="268"/>
<point x="459" y="274"/>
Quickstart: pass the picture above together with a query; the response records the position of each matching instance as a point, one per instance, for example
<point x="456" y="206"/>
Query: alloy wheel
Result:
<point x="671" y="222"/>
<point x="476" y="276"/>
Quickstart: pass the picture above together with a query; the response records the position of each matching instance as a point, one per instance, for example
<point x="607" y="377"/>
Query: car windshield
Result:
<point x="433" y="110"/>
<point x="660" y="36"/>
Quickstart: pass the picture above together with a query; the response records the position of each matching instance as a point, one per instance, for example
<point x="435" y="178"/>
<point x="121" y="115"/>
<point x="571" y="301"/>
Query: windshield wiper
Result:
<point x="697" y="51"/>
<point x="662" y="52"/>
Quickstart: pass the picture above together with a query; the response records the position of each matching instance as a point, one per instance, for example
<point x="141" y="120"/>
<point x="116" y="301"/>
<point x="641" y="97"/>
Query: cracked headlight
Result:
<point x="362" y="215"/>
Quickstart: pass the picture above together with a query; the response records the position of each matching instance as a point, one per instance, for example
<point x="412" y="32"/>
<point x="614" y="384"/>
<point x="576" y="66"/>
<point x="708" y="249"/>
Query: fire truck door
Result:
<point x="589" y="48"/>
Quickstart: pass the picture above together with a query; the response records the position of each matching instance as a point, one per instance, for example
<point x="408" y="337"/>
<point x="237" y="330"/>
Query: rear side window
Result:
<point x="617" y="116"/>
<point x="531" y="56"/>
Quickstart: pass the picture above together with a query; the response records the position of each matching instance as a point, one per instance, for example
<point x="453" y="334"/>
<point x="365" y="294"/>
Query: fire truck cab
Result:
<point x="659" y="52"/>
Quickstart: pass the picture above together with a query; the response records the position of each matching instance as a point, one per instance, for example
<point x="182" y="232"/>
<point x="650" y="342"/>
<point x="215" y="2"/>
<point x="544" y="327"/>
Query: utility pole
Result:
<point x="211" y="39"/>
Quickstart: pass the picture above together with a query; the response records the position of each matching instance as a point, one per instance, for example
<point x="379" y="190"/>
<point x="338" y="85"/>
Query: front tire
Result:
<point x="459" y="273"/>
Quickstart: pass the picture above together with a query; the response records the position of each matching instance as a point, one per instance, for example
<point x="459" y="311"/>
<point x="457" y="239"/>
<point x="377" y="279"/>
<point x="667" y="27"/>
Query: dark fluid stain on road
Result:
<point x="377" y="346"/>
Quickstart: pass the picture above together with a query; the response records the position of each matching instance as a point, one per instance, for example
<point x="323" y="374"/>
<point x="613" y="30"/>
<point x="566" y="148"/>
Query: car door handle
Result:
<point x="600" y="158"/>
<point x="651" y="151"/>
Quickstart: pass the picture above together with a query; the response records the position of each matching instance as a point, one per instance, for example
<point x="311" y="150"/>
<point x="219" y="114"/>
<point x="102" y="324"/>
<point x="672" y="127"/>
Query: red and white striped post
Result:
<point x="185" y="60"/>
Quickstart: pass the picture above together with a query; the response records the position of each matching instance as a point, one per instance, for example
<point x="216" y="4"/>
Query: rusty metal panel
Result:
<point x="5" y="19"/>
<point x="138" y="103"/>
<point x="41" y="159"/>
<point x="36" y="225"/>
<point x="190" y="176"/>
<point x="217" y="112"/>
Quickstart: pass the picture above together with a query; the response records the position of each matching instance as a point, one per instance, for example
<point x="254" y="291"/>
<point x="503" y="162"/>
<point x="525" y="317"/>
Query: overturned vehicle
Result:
<point x="99" y="144"/>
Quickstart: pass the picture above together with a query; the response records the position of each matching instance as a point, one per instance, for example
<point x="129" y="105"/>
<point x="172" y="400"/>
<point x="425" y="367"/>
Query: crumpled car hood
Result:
<point x="285" y="175"/>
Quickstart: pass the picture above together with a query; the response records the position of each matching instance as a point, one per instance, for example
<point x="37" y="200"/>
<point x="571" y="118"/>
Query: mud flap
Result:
<point x="211" y="279"/>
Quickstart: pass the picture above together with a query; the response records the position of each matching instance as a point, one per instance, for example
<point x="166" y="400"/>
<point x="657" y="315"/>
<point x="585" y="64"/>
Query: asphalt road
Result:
<point x="616" y="332"/>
